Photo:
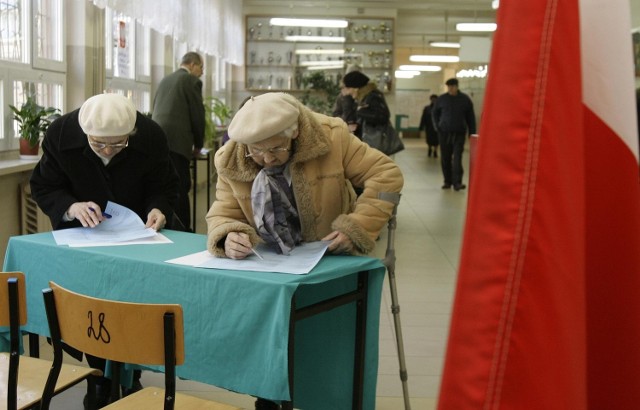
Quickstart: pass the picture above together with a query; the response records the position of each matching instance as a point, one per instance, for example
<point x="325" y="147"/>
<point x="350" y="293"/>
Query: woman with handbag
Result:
<point x="373" y="113"/>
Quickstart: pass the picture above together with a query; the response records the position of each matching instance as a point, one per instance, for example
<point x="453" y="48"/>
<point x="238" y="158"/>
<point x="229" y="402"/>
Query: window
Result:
<point x="48" y="35"/>
<point x="14" y="36"/>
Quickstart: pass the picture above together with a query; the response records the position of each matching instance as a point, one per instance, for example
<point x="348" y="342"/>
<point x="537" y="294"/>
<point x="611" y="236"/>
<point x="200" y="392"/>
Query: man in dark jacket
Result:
<point x="179" y="110"/>
<point x="453" y="118"/>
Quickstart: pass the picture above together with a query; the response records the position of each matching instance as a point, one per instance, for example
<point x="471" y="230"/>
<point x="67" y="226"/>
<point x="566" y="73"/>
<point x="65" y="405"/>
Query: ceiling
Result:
<point x="416" y="22"/>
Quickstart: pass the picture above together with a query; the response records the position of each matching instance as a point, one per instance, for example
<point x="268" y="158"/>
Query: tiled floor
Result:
<point x="428" y="237"/>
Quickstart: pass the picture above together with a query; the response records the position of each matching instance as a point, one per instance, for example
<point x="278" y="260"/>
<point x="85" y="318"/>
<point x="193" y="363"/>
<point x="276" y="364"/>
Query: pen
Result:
<point x="106" y="215"/>
<point x="257" y="254"/>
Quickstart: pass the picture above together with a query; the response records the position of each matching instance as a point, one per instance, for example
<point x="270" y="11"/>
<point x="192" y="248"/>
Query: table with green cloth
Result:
<point x="236" y="322"/>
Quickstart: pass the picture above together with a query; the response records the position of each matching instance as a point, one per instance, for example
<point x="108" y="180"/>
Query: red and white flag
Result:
<point x="547" y="306"/>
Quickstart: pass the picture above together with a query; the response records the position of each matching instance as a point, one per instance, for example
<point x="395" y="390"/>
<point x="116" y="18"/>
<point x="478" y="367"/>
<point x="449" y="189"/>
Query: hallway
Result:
<point x="428" y="239"/>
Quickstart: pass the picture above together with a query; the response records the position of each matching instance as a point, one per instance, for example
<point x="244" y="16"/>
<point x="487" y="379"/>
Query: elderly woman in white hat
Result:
<point x="105" y="151"/>
<point x="287" y="175"/>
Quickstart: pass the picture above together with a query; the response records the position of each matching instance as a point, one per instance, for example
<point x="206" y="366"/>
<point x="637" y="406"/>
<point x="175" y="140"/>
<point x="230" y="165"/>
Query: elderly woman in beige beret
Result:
<point x="287" y="175"/>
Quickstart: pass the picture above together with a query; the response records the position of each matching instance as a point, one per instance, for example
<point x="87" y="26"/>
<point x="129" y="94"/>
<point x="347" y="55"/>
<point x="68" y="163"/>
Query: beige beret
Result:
<point x="107" y="115"/>
<point x="264" y="116"/>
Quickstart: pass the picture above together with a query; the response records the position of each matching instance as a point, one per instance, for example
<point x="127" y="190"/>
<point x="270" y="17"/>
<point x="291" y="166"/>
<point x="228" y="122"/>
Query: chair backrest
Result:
<point x="119" y="331"/>
<point x="13" y="313"/>
<point x="21" y="302"/>
<point x="123" y="332"/>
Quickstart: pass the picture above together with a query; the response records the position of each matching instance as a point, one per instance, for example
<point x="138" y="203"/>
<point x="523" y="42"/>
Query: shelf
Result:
<point x="280" y="65"/>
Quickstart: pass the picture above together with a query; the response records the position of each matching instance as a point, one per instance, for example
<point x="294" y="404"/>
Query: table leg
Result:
<point x="359" y="296"/>
<point x="34" y="345"/>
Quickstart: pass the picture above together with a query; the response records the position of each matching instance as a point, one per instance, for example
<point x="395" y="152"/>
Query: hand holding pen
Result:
<point x="237" y="245"/>
<point x="88" y="213"/>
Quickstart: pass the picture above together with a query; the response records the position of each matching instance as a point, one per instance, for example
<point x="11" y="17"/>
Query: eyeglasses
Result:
<point x="259" y="153"/>
<point x="103" y="145"/>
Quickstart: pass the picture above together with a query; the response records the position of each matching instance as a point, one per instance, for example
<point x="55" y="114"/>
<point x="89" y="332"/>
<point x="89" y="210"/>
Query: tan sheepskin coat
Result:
<point x="325" y="162"/>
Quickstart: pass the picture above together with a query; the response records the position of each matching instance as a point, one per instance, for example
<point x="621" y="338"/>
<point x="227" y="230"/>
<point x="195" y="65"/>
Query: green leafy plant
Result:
<point x="321" y="93"/>
<point x="217" y="115"/>
<point x="33" y="119"/>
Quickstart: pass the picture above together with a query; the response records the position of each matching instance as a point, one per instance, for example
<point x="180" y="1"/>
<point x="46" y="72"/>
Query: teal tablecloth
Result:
<point x="236" y="322"/>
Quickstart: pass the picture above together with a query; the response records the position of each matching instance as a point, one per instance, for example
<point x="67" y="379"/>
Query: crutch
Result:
<point x="390" y="262"/>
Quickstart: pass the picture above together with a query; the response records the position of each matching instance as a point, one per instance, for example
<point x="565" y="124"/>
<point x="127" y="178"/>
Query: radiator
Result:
<point x="33" y="219"/>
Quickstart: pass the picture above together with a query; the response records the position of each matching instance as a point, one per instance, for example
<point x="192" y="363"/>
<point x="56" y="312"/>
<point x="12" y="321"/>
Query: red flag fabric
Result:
<point x="547" y="306"/>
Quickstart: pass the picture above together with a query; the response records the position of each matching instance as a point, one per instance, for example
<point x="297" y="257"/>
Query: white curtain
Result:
<point x="213" y="26"/>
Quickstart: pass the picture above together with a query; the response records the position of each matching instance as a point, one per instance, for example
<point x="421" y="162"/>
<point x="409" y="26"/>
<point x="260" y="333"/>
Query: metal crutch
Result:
<point x="390" y="262"/>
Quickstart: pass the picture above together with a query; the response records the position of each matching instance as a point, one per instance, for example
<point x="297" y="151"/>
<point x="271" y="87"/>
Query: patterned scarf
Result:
<point x="274" y="210"/>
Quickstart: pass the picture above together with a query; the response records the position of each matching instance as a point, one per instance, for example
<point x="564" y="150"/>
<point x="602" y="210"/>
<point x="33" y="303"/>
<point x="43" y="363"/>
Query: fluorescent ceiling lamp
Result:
<point x="337" y="51"/>
<point x="410" y="67"/>
<point x="433" y="59"/>
<point x="476" y="26"/>
<point x="276" y="21"/>
<point x="316" y="39"/>
<point x="406" y="74"/>
<point x="326" y="67"/>
<point x="444" y="44"/>
<point x="319" y="63"/>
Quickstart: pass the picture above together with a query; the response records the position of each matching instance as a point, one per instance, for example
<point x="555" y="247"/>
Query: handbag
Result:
<point x="383" y="138"/>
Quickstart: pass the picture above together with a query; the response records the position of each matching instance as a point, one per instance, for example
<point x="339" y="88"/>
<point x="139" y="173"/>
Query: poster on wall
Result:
<point x="635" y="37"/>
<point x="123" y="50"/>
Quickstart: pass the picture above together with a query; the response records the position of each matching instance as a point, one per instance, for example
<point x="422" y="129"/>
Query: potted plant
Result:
<point x="33" y="121"/>
<point x="217" y="115"/>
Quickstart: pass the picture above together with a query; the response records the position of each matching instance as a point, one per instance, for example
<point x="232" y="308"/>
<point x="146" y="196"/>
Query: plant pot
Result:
<point x="27" y="151"/>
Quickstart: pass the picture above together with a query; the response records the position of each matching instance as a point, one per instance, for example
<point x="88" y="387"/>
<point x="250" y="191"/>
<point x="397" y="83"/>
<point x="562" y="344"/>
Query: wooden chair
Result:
<point x="140" y="333"/>
<point x="22" y="378"/>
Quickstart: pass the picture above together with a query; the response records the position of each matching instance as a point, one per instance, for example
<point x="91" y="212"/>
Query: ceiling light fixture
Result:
<point x="406" y="74"/>
<point x="326" y="67"/>
<point x="319" y="63"/>
<point x="277" y="21"/>
<point x="336" y="51"/>
<point x="495" y="4"/>
<point x="444" y="44"/>
<point x="315" y="39"/>
<point x="476" y="26"/>
<point x="433" y="59"/>
<point x="411" y="67"/>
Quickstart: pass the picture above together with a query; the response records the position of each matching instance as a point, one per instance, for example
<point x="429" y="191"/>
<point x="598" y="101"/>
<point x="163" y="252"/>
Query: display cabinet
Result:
<point x="279" y="58"/>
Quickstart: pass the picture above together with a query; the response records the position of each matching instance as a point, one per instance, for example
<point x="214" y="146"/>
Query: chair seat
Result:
<point x="32" y="377"/>
<point x="153" y="398"/>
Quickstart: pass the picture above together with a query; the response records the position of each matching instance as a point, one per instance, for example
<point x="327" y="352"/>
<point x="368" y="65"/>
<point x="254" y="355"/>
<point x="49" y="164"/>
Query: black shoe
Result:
<point x="102" y="397"/>
<point x="135" y="387"/>
<point x="446" y="186"/>
<point x="458" y="187"/>
<point x="262" y="404"/>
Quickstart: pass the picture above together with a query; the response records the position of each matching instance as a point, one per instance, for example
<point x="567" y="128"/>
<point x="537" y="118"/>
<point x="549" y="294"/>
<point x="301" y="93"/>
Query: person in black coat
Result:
<point x="454" y="118"/>
<point x="426" y="124"/>
<point x="104" y="151"/>
<point x="372" y="112"/>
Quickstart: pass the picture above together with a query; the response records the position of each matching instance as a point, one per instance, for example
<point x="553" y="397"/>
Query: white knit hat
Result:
<point x="107" y="115"/>
<point x="264" y="116"/>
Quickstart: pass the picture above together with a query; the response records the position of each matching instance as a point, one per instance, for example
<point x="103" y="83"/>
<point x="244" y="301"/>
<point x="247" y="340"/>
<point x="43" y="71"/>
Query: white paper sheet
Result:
<point x="123" y="226"/>
<point x="153" y="240"/>
<point x="301" y="260"/>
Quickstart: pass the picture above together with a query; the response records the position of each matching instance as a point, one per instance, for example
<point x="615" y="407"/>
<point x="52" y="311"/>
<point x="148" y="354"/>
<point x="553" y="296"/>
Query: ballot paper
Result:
<point x="124" y="227"/>
<point x="301" y="260"/>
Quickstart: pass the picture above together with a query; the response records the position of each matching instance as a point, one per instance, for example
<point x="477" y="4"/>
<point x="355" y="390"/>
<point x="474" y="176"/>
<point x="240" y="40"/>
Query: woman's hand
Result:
<point x="237" y="245"/>
<point x="156" y="219"/>
<point x="340" y="243"/>
<point x="88" y="213"/>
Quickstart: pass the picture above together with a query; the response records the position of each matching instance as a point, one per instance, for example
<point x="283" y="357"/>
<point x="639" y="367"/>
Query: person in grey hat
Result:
<point x="453" y="118"/>
<point x="287" y="176"/>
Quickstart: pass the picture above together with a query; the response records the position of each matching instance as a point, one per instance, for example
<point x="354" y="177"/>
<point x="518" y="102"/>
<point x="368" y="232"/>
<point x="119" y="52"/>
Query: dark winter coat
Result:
<point x="140" y="177"/>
